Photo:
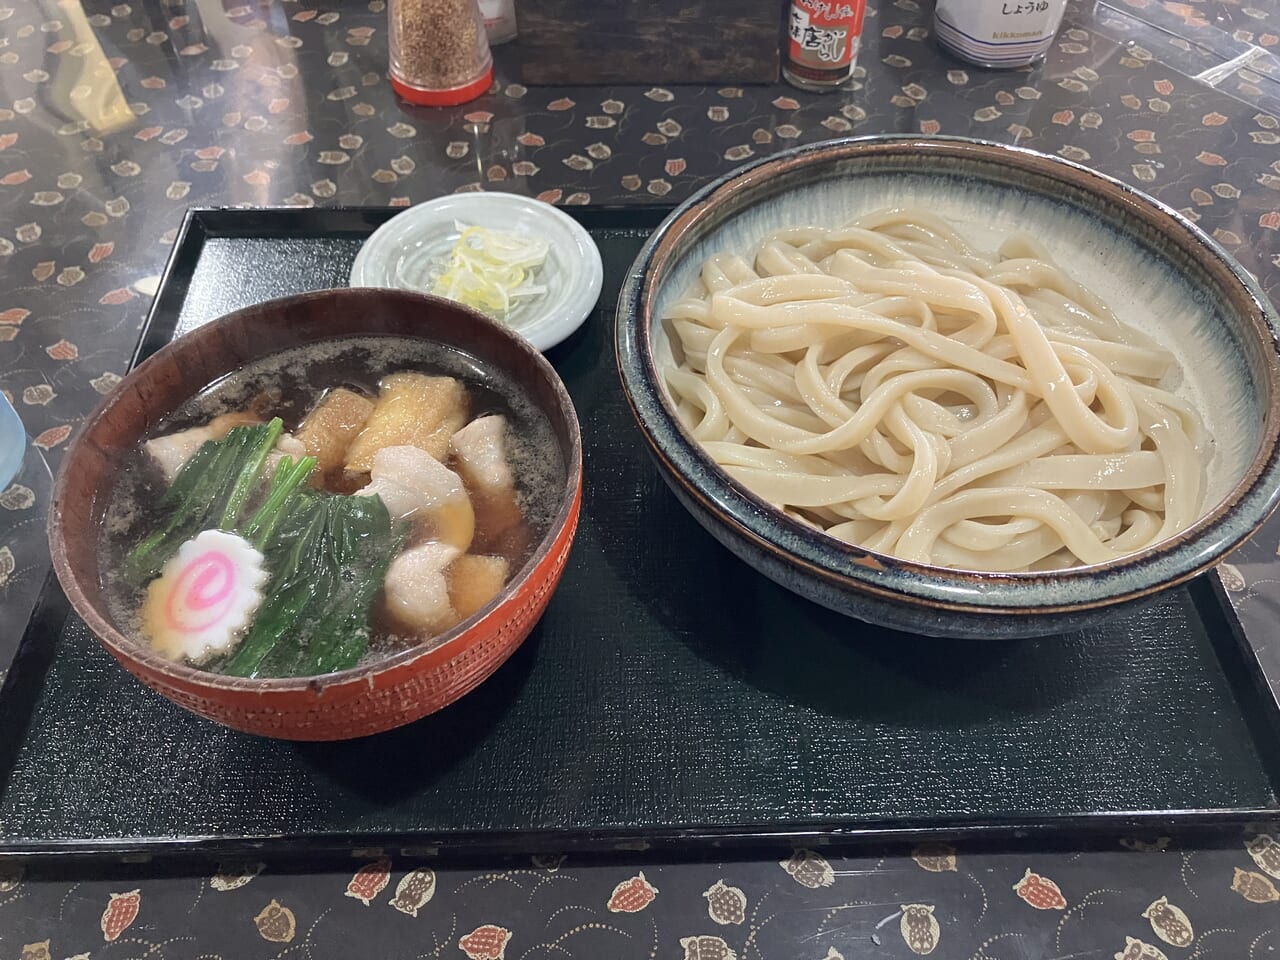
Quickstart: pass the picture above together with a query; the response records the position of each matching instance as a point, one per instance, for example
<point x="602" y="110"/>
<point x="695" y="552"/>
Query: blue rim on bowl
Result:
<point x="399" y="254"/>
<point x="921" y="597"/>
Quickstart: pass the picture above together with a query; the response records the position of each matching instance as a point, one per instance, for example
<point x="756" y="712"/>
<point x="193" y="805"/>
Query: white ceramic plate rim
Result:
<point x="571" y="240"/>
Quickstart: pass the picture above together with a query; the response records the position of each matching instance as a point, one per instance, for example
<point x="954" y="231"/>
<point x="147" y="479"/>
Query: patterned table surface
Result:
<point x="115" y="118"/>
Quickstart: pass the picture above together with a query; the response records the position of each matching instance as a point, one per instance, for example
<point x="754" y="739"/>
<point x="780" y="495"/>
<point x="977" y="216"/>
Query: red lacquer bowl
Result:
<point x="353" y="703"/>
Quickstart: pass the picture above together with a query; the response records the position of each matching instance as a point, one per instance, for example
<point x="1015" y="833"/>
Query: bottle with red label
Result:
<point x="822" y="42"/>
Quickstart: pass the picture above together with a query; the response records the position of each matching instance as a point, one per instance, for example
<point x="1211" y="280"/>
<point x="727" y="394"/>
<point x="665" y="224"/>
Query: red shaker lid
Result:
<point x="443" y="98"/>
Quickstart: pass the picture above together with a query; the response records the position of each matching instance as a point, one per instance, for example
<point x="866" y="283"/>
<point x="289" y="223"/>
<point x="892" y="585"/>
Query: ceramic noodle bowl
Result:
<point x="1159" y="273"/>
<point x="382" y="693"/>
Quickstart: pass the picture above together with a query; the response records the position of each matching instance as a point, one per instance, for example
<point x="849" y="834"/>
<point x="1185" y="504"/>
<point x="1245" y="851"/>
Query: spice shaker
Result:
<point x="998" y="33"/>
<point x="439" y="54"/>
<point x="822" y="42"/>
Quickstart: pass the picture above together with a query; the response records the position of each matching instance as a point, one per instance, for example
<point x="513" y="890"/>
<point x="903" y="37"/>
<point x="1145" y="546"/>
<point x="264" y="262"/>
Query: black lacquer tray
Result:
<point x="670" y="696"/>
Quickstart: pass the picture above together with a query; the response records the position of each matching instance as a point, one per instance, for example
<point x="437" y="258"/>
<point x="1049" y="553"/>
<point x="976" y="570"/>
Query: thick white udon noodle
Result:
<point x="903" y="391"/>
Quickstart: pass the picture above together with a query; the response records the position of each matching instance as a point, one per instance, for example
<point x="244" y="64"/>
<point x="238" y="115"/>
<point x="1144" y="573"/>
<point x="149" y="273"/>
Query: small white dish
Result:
<point x="403" y="252"/>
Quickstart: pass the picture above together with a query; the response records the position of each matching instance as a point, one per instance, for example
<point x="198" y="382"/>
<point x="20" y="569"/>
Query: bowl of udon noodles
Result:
<point x="953" y="387"/>
<point x="323" y="516"/>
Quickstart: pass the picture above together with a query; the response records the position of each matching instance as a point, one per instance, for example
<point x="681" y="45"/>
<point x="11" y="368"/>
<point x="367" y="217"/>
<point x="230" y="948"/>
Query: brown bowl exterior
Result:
<point x="380" y="699"/>
<point x="368" y="699"/>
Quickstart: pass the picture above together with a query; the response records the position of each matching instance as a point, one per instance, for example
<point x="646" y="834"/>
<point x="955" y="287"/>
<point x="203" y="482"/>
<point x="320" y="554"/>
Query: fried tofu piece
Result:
<point x="411" y="409"/>
<point x="480" y="455"/>
<point x="415" y="485"/>
<point x="416" y="590"/>
<point x="437" y="444"/>
<point x="329" y="428"/>
<point x="474" y="581"/>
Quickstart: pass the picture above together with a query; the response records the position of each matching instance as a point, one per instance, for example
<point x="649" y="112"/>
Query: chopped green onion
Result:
<point x="490" y="269"/>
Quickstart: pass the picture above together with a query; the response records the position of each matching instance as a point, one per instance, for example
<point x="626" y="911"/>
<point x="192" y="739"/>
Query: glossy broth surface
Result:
<point x="289" y="385"/>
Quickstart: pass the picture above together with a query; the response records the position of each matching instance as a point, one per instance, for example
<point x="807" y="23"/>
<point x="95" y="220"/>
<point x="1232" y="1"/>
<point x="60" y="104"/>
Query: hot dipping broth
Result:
<point x="399" y="485"/>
